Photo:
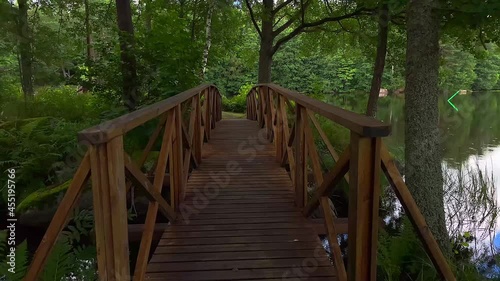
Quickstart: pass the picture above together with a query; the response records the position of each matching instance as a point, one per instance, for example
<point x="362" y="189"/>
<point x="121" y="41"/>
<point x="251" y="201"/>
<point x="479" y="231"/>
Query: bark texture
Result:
<point x="25" y="51"/>
<point x="422" y="142"/>
<point x="378" y="69"/>
<point x="208" y="41"/>
<point x="266" y="43"/>
<point x="88" y="33"/>
<point x="128" y="61"/>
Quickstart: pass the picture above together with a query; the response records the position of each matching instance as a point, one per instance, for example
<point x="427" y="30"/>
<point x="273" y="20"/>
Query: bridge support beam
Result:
<point x="110" y="210"/>
<point x="364" y="194"/>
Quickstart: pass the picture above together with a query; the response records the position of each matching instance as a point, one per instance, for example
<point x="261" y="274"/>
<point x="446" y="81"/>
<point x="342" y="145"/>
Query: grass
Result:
<point x="232" y="115"/>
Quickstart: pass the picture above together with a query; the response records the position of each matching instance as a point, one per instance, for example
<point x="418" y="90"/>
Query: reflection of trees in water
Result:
<point x="471" y="206"/>
<point x="473" y="130"/>
<point x="478" y="128"/>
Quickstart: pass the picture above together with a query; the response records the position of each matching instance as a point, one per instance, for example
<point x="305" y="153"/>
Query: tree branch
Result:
<point x="284" y="26"/>
<point x="281" y="6"/>
<point x="300" y="13"/>
<point x="301" y="28"/>
<point x="253" y="18"/>
<point x="278" y="21"/>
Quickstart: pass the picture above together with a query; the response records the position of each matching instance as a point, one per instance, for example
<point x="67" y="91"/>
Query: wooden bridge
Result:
<point x="238" y="196"/>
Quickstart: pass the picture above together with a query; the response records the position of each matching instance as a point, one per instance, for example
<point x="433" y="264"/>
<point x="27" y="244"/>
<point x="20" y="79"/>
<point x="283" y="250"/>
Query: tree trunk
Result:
<point x="25" y="52"/>
<point x="378" y="70"/>
<point x="208" y="42"/>
<point x="88" y="33"/>
<point x="193" y="19"/>
<point x="422" y="142"/>
<point x="266" y="43"/>
<point x="128" y="62"/>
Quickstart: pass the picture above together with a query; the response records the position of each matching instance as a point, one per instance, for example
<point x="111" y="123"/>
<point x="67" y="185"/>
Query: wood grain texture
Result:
<point x="417" y="219"/>
<point x="60" y="219"/>
<point x="125" y="123"/>
<point x="238" y="220"/>
<point x="331" y="233"/>
<point x="361" y="124"/>
<point x="364" y="196"/>
<point x="147" y="236"/>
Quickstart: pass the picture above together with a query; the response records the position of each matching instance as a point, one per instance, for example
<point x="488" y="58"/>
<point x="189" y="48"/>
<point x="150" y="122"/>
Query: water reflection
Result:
<point x="471" y="136"/>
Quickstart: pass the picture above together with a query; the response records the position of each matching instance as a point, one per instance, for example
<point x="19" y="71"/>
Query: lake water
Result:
<point x="471" y="138"/>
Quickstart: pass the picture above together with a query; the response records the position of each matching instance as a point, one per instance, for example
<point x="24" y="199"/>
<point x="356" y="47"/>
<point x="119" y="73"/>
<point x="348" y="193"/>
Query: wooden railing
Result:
<point x="185" y="121"/>
<point x="289" y="119"/>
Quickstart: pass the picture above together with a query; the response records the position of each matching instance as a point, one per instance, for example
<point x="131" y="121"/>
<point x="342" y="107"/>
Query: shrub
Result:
<point x="237" y="103"/>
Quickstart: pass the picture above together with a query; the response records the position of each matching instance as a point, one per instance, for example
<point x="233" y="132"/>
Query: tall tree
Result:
<point x="296" y="20"/>
<point x="378" y="69"/>
<point x="208" y="40"/>
<point x="25" y="50"/>
<point x="127" y="55"/>
<point x="422" y="142"/>
<point x="88" y="33"/>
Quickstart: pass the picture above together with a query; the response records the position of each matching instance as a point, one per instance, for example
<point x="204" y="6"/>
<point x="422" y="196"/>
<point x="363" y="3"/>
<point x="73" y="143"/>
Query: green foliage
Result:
<point x="41" y="196"/>
<point x="457" y="69"/>
<point x="21" y="258"/>
<point x="401" y="254"/>
<point x="312" y="71"/>
<point x="488" y="72"/>
<point x="237" y="103"/>
<point x="38" y="139"/>
<point x="69" y="258"/>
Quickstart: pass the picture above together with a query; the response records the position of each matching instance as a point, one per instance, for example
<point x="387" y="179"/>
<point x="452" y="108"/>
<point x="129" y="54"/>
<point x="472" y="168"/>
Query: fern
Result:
<point x="60" y="263"/>
<point x="21" y="259"/>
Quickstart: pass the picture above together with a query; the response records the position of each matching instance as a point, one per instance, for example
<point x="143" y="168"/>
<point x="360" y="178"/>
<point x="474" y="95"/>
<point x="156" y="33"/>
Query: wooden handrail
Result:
<point x="358" y="123"/>
<point x="109" y="167"/>
<point x="360" y="164"/>
<point x="121" y="125"/>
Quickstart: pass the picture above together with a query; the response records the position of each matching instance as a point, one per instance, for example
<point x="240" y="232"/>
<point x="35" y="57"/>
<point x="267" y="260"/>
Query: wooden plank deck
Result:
<point x="239" y="221"/>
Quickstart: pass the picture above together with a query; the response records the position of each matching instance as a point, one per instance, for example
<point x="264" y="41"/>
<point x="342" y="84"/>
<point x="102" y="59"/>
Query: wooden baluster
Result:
<point x="175" y="166"/>
<point x="110" y="209"/>
<point x="149" y="224"/>
<point x="313" y="153"/>
<point x="214" y="107"/>
<point x="279" y="130"/>
<point x="253" y="99"/>
<point x="274" y="123"/>
<point x="207" y="122"/>
<point x="269" y="112"/>
<point x="219" y="103"/>
<point x="333" y="242"/>
<point x="60" y="219"/>
<point x="262" y="109"/>
<point x="254" y="106"/>
<point x="198" y="135"/>
<point x="288" y="152"/>
<point x="330" y="180"/>
<point x="249" y="109"/>
<point x="300" y="157"/>
<point x="364" y="194"/>
<point x="416" y="218"/>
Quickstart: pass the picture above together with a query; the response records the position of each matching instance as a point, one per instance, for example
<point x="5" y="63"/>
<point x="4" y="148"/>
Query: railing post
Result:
<point x="175" y="163"/>
<point x="364" y="194"/>
<point x="269" y="112"/>
<point x="208" y="123"/>
<point x="198" y="137"/>
<point x="213" y="108"/>
<point x="110" y="209"/>
<point x="279" y="130"/>
<point x="261" y="106"/>
<point x="300" y="157"/>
